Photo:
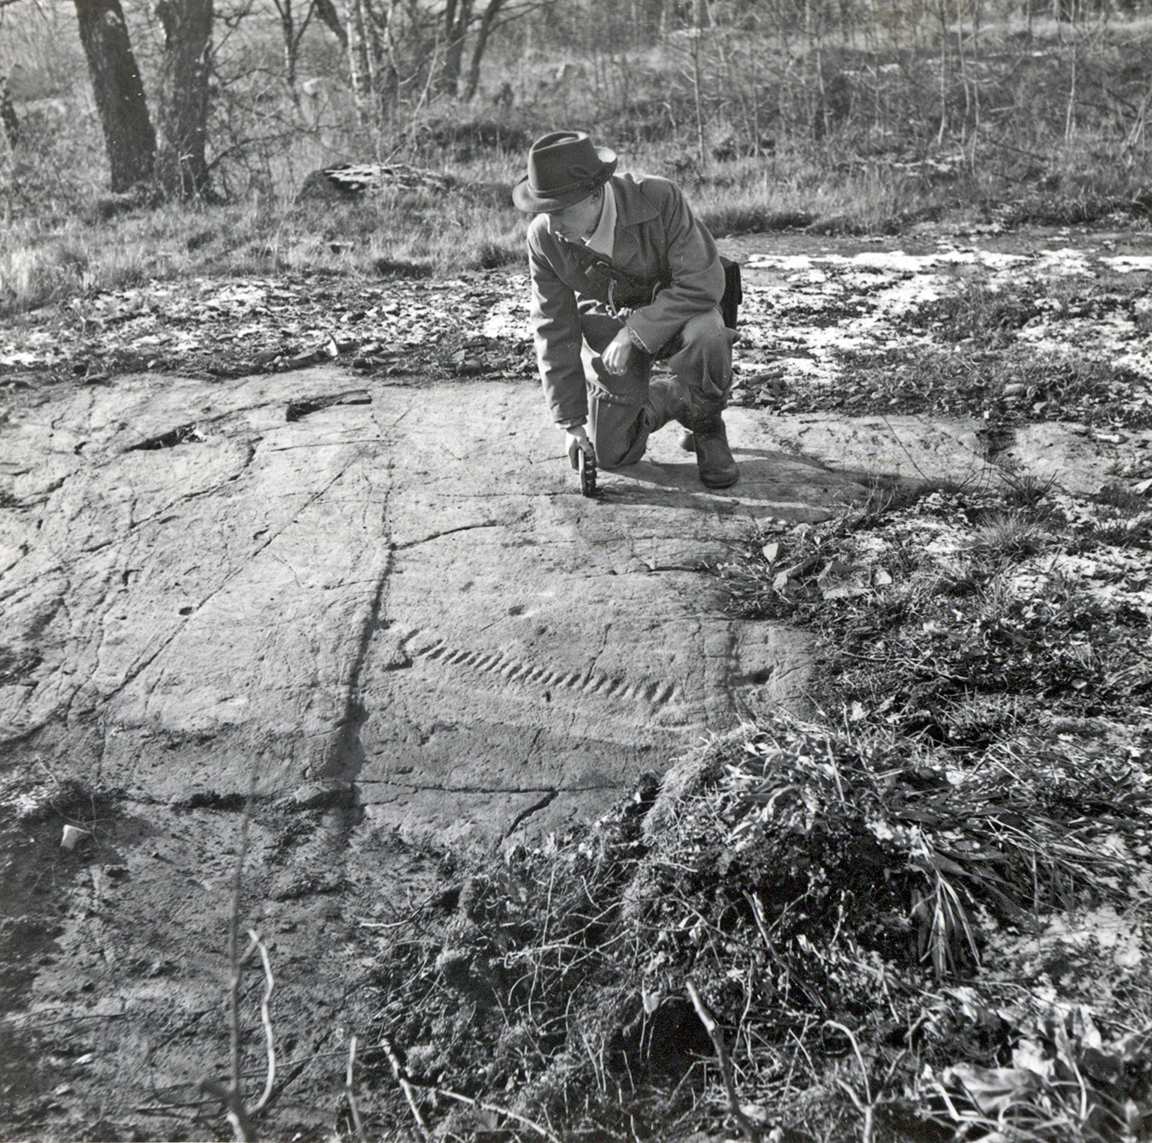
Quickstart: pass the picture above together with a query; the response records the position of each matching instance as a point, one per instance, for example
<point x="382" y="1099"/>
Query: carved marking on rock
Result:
<point x="512" y="671"/>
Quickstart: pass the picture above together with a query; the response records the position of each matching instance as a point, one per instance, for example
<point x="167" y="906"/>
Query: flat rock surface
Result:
<point x="400" y="592"/>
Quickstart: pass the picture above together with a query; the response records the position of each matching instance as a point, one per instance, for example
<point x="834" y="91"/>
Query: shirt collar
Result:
<point x="601" y="239"/>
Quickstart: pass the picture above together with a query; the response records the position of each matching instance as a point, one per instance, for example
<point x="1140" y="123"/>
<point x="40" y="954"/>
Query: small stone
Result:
<point x="73" y="834"/>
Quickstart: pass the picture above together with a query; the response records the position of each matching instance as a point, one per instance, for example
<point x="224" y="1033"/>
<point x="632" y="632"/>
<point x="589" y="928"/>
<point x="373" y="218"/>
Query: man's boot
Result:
<point x="713" y="456"/>
<point x="667" y="401"/>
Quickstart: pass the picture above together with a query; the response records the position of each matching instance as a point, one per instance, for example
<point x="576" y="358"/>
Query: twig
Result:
<point x="266" y="1020"/>
<point x="865" y="1109"/>
<point x="351" y="1091"/>
<point x="896" y="438"/>
<point x="233" y="1108"/>
<point x="232" y="1096"/>
<point x="405" y="1086"/>
<point x="717" y="1037"/>
<point x="495" y="1110"/>
<point x="235" y="962"/>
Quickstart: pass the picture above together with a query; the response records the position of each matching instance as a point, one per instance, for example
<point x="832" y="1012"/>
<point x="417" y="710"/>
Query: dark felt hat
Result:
<point x="563" y="168"/>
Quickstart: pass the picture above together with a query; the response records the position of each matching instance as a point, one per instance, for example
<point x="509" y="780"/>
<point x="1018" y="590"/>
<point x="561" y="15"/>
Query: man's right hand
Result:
<point x="577" y="440"/>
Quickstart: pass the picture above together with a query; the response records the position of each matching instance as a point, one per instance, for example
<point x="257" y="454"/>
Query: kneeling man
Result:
<point x="623" y="274"/>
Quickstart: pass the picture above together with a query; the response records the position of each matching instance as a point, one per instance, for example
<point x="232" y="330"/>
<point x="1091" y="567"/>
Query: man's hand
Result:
<point x="578" y="441"/>
<point x="617" y="353"/>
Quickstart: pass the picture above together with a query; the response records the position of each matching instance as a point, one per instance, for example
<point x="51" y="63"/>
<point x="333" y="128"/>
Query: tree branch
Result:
<point x="717" y="1037"/>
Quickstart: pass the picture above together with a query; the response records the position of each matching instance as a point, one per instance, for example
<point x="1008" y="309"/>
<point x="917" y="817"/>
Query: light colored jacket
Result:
<point x="658" y="241"/>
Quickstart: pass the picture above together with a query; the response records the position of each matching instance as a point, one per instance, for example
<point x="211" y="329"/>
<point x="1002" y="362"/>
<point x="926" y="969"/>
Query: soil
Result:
<point x="116" y="966"/>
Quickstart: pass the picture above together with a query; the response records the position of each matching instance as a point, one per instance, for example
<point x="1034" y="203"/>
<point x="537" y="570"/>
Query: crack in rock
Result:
<point x="549" y="797"/>
<point x="182" y="434"/>
<point x="446" y="532"/>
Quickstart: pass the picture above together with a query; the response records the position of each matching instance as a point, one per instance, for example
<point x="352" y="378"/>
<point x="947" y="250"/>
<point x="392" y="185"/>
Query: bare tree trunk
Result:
<point x="292" y="32"/>
<point x="182" y="166"/>
<point x="8" y="118"/>
<point x="487" y="22"/>
<point x="358" y="63"/>
<point x="813" y="33"/>
<point x="1070" y="112"/>
<point x="943" y="15"/>
<point x="457" y="17"/>
<point x="963" y="72"/>
<point x="698" y="11"/>
<point x="326" y="10"/>
<point x="128" y="136"/>
<point x="650" y="17"/>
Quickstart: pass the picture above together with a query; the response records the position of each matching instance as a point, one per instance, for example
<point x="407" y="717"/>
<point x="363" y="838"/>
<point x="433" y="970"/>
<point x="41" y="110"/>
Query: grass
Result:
<point x="962" y="594"/>
<point x="884" y="166"/>
<point x="819" y="887"/>
<point x="1003" y="348"/>
<point x="172" y="242"/>
<point x="51" y="259"/>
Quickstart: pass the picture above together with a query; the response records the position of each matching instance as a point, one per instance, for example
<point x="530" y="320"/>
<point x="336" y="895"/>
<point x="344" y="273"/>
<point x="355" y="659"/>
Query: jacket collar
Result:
<point x="631" y="205"/>
<point x="632" y="209"/>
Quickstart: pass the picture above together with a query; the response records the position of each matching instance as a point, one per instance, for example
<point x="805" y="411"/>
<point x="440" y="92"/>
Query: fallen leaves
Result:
<point x="234" y="327"/>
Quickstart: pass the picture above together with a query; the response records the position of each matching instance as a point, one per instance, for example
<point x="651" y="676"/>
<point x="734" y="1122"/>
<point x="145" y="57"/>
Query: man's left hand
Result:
<point x="618" y="352"/>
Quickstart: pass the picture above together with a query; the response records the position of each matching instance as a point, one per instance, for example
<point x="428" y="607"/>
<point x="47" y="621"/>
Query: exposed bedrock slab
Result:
<point x="403" y="591"/>
<point x="1077" y="458"/>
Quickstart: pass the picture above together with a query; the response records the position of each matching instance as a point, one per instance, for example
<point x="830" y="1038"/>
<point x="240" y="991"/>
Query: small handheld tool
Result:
<point x="587" y="467"/>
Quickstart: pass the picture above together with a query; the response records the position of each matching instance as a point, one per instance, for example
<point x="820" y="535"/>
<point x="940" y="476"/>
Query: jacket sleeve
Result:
<point x="556" y="332"/>
<point x="697" y="276"/>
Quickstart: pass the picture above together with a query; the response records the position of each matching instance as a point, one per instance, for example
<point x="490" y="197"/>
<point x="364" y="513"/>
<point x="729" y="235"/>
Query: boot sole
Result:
<point x="726" y="483"/>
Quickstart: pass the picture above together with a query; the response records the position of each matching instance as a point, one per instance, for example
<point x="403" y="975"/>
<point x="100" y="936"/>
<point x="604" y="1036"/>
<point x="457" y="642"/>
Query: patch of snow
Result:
<point x="1129" y="263"/>
<point x="1064" y="261"/>
<point x="1102" y="927"/>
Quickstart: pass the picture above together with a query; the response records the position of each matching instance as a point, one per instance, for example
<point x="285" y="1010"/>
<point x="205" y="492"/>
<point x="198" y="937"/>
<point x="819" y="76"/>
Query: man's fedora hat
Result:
<point x="563" y="168"/>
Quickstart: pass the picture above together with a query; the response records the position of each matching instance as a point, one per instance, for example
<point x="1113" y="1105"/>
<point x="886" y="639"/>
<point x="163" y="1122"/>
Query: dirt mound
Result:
<point x="769" y="892"/>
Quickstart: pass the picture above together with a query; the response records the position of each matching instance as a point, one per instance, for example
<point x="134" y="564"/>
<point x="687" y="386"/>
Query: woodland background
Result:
<point x="215" y="99"/>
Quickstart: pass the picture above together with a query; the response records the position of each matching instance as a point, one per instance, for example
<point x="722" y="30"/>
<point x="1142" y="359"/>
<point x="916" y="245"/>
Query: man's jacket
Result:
<point x="658" y="246"/>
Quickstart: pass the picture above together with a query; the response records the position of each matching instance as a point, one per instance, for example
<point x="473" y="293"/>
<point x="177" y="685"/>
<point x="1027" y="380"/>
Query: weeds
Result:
<point x="792" y="879"/>
<point x="168" y="244"/>
<point x="1009" y="534"/>
<point x="1054" y="382"/>
<point x="932" y="611"/>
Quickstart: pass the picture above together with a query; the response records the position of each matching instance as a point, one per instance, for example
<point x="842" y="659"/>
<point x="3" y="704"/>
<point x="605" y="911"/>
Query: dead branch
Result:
<point x="493" y="1109"/>
<point x="266" y="1020"/>
<point x="402" y="1079"/>
<point x="407" y="1087"/>
<point x="717" y="1037"/>
<point x="232" y="1096"/>
<point x="350" y="1091"/>
<point x="866" y="1108"/>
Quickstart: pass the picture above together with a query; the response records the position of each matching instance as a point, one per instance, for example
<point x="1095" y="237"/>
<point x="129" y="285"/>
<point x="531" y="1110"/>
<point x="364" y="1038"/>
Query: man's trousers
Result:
<point x="619" y="414"/>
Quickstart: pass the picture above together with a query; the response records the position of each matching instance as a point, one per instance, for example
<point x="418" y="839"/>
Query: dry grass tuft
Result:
<point x="799" y="879"/>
